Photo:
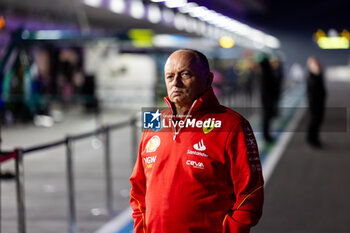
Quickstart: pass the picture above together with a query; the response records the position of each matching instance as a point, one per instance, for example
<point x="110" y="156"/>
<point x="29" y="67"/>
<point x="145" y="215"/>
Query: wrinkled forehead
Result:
<point x="182" y="60"/>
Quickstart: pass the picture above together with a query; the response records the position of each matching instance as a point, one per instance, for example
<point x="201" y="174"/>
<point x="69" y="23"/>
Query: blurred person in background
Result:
<point x="268" y="96"/>
<point x="316" y="94"/>
<point x="277" y="73"/>
<point x="196" y="179"/>
<point x="218" y="83"/>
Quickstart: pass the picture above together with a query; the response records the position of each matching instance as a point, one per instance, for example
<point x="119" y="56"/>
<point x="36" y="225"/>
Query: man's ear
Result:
<point x="210" y="77"/>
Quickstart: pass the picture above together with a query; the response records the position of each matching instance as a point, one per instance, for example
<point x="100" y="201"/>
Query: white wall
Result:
<point x="124" y="80"/>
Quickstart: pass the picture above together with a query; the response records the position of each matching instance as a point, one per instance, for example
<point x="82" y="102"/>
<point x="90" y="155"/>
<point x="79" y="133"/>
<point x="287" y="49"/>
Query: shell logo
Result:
<point x="153" y="144"/>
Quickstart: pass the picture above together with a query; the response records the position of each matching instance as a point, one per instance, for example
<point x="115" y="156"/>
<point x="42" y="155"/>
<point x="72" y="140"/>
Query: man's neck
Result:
<point x="182" y="110"/>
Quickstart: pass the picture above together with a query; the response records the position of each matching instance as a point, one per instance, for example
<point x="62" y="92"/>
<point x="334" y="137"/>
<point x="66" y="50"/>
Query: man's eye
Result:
<point x="169" y="76"/>
<point x="185" y="75"/>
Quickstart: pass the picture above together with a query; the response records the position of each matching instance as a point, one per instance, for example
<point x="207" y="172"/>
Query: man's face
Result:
<point x="185" y="78"/>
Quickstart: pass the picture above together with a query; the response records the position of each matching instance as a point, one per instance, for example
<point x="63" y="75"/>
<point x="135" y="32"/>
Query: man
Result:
<point x="316" y="95"/>
<point x="192" y="178"/>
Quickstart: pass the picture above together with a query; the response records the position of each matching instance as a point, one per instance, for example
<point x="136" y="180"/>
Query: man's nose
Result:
<point x="178" y="81"/>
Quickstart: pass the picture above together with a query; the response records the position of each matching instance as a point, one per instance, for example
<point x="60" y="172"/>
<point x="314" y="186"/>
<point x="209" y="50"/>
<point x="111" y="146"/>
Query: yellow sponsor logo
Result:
<point x="209" y="125"/>
<point x="207" y="129"/>
<point x="153" y="144"/>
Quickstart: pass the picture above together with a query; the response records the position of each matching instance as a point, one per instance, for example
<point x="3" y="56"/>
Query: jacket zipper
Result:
<point x="189" y="112"/>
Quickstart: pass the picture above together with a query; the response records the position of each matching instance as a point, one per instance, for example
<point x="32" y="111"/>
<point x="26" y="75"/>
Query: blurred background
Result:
<point x="75" y="75"/>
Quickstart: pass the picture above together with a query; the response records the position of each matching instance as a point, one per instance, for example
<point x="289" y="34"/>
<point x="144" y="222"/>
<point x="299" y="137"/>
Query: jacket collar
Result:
<point x="206" y="101"/>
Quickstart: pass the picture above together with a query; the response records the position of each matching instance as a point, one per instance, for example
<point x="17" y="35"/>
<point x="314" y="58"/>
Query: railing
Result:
<point x="19" y="153"/>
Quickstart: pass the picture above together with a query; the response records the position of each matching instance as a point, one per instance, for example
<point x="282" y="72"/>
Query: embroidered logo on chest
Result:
<point x="153" y="144"/>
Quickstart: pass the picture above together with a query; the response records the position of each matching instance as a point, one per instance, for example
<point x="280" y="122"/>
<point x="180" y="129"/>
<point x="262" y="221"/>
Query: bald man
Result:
<point x="201" y="173"/>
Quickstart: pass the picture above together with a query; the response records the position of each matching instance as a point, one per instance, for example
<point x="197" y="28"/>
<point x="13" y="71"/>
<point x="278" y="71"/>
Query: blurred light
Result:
<point x="48" y="35"/>
<point x="154" y="13"/>
<point x="25" y="34"/>
<point x="212" y="24"/>
<point x="220" y="20"/>
<point x="188" y="7"/>
<point x="194" y="25"/>
<point x="141" y="37"/>
<point x="117" y="6"/>
<point x="256" y="36"/>
<point x="258" y="45"/>
<point x="217" y="33"/>
<point x="345" y="33"/>
<point x="222" y="33"/>
<point x="332" y="33"/>
<point x="226" y="42"/>
<point x="175" y="3"/>
<point x="202" y="28"/>
<point x="333" y="43"/>
<point x="137" y="9"/>
<point x="191" y="25"/>
<point x="210" y="16"/>
<point x="180" y="21"/>
<point x="320" y="33"/>
<point x="94" y="3"/>
<point x="2" y="22"/>
<point x="211" y="31"/>
<point x="242" y="29"/>
<point x="167" y="40"/>
<point x="197" y="27"/>
<point x="272" y="42"/>
<point x="198" y="12"/>
<point x="168" y="15"/>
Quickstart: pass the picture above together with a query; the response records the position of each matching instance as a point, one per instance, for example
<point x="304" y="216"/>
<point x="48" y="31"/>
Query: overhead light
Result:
<point x="137" y="9"/>
<point x="180" y="21"/>
<point x="188" y="7"/>
<point x="221" y="21"/>
<point x="210" y="16"/>
<point x="333" y="42"/>
<point x="198" y="12"/>
<point x="117" y="6"/>
<point x="154" y="13"/>
<point x="166" y="40"/>
<point x="175" y="3"/>
<point x="202" y="27"/>
<point x="168" y="15"/>
<point x="93" y="3"/>
<point x="272" y="42"/>
<point x="226" y="42"/>
<point x="210" y="23"/>
<point x="217" y="32"/>
<point x="211" y="31"/>
<point x="191" y="25"/>
<point x="257" y="36"/>
<point x="332" y="33"/>
<point x="258" y="45"/>
<point x="242" y="29"/>
<point x="48" y="35"/>
<point x="197" y="26"/>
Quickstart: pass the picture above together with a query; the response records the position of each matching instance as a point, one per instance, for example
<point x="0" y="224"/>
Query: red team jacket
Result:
<point x="198" y="179"/>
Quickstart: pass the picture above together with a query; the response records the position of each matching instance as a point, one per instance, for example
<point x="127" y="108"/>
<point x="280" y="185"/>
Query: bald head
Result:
<point x="187" y="76"/>
<point x="199" y="58"/>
